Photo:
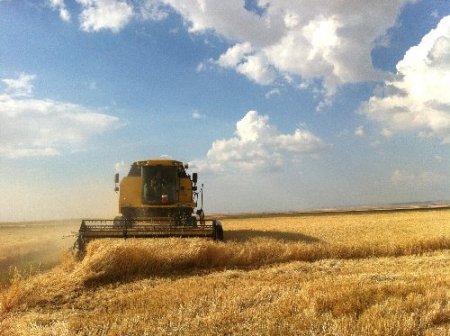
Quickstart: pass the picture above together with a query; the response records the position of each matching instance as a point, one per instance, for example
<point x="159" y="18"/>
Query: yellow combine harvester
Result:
<point x="156" y="199"/>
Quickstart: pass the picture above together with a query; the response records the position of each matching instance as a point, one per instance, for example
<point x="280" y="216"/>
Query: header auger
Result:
<point x="157" y="199"/>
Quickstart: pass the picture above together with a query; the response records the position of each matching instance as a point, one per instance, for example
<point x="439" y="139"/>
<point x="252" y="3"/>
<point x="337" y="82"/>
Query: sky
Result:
<point x="278" y="105"/>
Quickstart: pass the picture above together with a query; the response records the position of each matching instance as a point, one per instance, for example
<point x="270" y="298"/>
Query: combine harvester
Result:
<point x="156" y="199"/>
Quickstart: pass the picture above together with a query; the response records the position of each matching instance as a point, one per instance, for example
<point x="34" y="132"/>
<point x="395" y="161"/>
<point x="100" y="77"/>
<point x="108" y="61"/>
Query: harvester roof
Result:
<point x="159" y="162"/>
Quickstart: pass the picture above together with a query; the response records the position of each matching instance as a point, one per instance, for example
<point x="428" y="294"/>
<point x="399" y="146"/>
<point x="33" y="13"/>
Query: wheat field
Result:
<point x="385" y="273"/>
<point x="33" y="246"/>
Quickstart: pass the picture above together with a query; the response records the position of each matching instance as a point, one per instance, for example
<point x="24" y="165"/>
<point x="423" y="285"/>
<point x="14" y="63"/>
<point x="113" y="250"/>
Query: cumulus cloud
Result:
<point x="234" y="55"/>
<point x="21" y="86"/>
<point x="416" y="98"/>
<point x="310" y="43"/>
<point x="259" y="145"/>
<point x="60" y="6"/>
<point x="153" y="10"/>
<point x="44" y="127"/>
<point x="241" y="58"/>
<point x="99" y="15"/>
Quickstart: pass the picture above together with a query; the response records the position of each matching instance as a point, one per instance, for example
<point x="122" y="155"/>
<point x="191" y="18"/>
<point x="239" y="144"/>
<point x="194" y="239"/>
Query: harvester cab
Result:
<point x="156" y="199"/>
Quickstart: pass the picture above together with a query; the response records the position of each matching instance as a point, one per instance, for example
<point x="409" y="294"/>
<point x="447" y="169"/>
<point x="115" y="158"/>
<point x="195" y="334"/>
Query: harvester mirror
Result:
<point x="194" y="177"/>
<point x="116" y="180"/>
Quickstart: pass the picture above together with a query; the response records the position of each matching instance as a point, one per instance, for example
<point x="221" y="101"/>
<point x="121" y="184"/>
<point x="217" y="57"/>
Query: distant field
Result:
<point x="382" y="273"/>
<point x="33" y="246"/>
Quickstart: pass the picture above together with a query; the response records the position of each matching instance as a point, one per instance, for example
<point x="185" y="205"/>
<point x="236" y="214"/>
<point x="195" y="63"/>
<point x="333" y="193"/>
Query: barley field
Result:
<point x="378" y="273"/>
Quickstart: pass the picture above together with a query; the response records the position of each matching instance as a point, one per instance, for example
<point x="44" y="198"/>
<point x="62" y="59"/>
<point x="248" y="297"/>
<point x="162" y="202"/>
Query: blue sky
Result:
<point x="278" y="105"/>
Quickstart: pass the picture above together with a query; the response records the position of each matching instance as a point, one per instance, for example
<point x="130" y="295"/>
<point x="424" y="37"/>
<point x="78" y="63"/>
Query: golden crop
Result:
<point x="361" y="274"/>
<point x="33" y="245"/>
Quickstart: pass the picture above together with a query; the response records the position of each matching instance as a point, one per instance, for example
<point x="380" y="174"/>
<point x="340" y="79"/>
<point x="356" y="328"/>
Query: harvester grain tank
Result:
<point x="156" y="199"/>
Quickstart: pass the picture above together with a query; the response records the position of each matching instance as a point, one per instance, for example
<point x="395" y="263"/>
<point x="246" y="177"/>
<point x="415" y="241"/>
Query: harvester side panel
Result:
<point x="186" y="191"/>
<point x="130" y="192"/>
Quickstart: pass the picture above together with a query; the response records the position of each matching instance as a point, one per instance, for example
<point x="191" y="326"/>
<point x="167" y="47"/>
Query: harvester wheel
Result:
<point x="218" y="231"/>
<point x="201" y="216"/>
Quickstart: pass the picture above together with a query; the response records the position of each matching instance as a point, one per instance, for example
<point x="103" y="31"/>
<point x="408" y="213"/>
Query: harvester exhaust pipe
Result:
<point x="201" y="197"/>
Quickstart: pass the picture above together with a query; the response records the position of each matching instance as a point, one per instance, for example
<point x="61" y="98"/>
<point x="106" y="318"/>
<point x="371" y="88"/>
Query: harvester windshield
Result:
<point x="159" y="185"/>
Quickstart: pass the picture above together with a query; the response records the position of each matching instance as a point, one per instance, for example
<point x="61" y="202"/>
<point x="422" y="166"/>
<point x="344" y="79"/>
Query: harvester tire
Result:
<point x="218" y="232"/>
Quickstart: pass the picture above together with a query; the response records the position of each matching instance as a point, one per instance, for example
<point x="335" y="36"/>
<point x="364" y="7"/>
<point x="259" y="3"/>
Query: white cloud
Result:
<point x="208" y="64"/>
<point x="320" y="43"/>
<point x="21" y="86"/>
<point x="44" y="127"/>
<point x="273" y="92"/>
<point x="60" y="6"/>
<point x="255" y="66"/>
<point x="99" y="15"/>
<point x="228" y="18"/>
<point x="401" y="176"/>
<point x="359" y="131"/>
<point x="16" y="153"/>
<point x="241" y="58"/>
<point x="234" y="55"/>
<point x="121" y="168"/>
<point x="259" y="145"/>
<point x="201" y="67"/>
<point x="197" y="115"/>
<point x="426" y="178"/>
<point x="153" y="10"/>
<point x="319" y="40"/>
<point x="416" y="98"/>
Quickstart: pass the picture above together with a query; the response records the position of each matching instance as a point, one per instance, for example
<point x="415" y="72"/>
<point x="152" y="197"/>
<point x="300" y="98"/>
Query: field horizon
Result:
<point x="362" y="208"/>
